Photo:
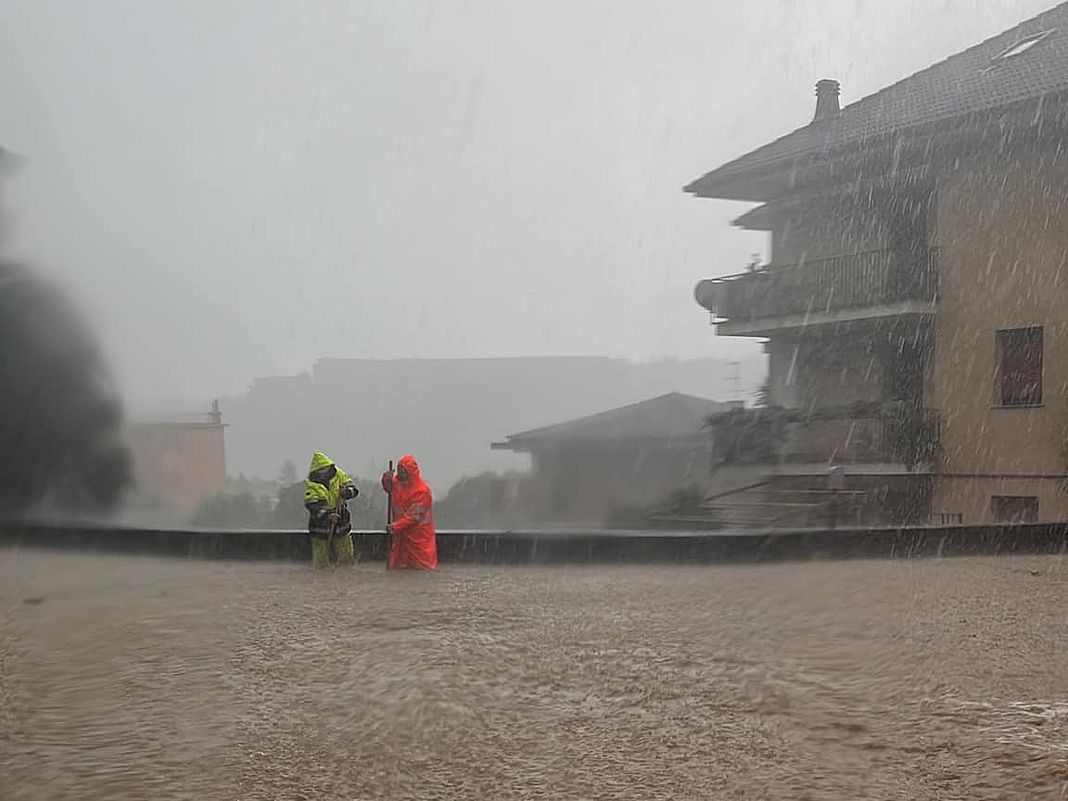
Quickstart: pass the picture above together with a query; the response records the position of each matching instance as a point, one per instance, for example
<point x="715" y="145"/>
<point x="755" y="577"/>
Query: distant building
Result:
<point x="915" y="306"/>
<point x="364" y="412"/>
<point x="632" y="456"/>
<point x="179" y="462"/>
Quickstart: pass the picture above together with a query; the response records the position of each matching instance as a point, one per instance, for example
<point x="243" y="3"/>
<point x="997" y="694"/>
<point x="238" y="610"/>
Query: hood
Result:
<point x="319" y="461"/>
<point x="408" y="463"/>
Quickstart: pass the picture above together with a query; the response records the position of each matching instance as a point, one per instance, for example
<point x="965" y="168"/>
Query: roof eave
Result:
<point x="758" y="186"/>
<point x="507" y="446"/>
<point x="772" y="180"/>
<point x="760" y="218"/>
<point x="527" y="445"/>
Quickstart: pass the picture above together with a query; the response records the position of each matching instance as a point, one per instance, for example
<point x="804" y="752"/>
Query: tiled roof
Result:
<point x="671" y="416"/>
<point x="1026" y="62"/>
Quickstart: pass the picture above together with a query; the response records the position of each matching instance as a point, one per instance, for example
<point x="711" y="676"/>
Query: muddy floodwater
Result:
<point x="135" y="678"/>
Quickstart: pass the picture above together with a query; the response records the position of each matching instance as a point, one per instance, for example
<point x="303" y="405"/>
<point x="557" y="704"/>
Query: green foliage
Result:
<point x="683" y="502"/>
<point x="686" y="501"/>
<point x="141" y="508"/>
<point x="251" y="486"/>
<point x="289" y="509"/>
<point x="261" y="504"/>
<point x="749" y="436"/>
<point x="239" y="510"/>
<point x="288" y="475"/>
<point x="756" y="436"/>
<point x="488" y="500"/>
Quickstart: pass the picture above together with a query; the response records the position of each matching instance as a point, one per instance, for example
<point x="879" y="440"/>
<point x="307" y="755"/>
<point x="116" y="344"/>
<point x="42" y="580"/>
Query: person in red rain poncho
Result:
<point x="414" y="540"/>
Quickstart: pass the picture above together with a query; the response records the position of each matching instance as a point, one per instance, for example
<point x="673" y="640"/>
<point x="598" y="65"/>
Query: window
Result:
<point x="1014" y="509"/>
<point x="1020" y="367"/>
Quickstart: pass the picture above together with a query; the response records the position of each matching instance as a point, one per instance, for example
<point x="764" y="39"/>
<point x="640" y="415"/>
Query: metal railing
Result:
<point x="909" y="438"/>
<point x="874" y="278"/>
<point x="888" y="432"/>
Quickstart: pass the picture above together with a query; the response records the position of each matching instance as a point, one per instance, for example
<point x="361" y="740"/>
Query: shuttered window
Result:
<point x="1020" y="366"/>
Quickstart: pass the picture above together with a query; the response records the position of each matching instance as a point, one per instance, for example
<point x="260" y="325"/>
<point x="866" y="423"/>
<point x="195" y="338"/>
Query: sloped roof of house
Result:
<point x="671" y="416"/>
<point x="1026" y="62"/>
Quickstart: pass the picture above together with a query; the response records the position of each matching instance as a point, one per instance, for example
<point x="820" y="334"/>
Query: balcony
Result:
<point x="888" y="434"/>
<point x="880" y="283"/>
<point x="909" y="439"/>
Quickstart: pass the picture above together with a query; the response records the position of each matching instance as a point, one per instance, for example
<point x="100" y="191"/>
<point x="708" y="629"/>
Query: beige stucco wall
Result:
<point x="1002" y="231"/>
<point x="971" y="497"/>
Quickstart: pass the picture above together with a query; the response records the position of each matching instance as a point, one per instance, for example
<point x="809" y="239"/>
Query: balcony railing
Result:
<point x="910" y="439"/>
<point x="875" y="278"/>
<point x="888" y="433"/>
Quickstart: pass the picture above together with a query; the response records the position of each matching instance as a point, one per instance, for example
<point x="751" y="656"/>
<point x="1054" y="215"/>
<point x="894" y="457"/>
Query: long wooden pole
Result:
<point x="336" y="524"/>
<point x="389" y="510"/>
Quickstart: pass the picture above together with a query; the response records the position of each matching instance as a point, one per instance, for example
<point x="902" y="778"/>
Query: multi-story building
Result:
<point x="180" y="461"/>
<point x="915" y="301"/>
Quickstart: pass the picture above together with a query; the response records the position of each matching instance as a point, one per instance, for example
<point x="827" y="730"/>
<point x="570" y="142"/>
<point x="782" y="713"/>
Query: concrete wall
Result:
<point x="611" y="547"/>
<point x="1003" y="239"/>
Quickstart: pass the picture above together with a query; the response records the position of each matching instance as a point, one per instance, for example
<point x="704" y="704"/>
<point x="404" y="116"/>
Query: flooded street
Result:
<point x="131" y="678"/>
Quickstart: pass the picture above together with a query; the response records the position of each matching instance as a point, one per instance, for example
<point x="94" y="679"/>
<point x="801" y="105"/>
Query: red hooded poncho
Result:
<point x="414" y="543"/>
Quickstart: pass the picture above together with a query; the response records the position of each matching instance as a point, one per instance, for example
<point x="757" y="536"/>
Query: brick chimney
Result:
<point x="826" y="99"/>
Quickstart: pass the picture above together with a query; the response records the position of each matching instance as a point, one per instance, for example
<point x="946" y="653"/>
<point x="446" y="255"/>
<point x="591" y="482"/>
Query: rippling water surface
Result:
<point x="134" y="678"/>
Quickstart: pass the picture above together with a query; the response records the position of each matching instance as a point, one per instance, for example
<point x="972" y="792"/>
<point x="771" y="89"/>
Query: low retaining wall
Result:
<point x="539" y="547"/>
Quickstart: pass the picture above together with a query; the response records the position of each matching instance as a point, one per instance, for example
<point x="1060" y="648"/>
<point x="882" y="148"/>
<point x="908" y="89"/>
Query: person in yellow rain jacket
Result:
<point x="329" y="523"/>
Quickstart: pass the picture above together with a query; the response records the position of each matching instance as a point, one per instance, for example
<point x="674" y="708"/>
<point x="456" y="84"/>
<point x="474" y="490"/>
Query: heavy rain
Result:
<point x="459" y="399"/>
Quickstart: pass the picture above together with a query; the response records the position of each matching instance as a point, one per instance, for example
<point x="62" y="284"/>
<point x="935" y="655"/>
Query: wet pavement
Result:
<point x="128" y="678"/>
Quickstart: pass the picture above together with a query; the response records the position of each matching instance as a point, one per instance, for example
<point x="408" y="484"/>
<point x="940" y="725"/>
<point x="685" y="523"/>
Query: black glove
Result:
<point x="349" y="491"/>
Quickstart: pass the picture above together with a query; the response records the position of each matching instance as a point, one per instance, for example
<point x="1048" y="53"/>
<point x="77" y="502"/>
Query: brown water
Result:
<point x="132" y="678"/>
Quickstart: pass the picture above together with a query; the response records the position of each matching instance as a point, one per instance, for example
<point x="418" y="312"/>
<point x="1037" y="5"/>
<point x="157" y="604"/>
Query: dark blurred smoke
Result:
<point x="60" y="416"/>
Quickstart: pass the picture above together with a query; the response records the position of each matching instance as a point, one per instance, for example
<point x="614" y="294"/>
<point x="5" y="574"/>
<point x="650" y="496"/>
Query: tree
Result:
<point x="487" y="500"/>
<point x="368" y="509"/>
<point x="686" y="502"/>
<point x="288" y="475"/>
<point x="238" y="510"/>
<point x="749" y="436"/>
<point x="289" y="509"/>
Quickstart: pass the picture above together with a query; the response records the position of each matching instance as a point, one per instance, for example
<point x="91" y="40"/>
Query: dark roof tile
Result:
<point x="671" y="416"/>
<point x="978" y="79"/>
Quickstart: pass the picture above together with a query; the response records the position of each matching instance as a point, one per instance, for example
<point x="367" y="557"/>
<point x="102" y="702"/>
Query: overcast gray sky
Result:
<point x="236" y="188"/>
